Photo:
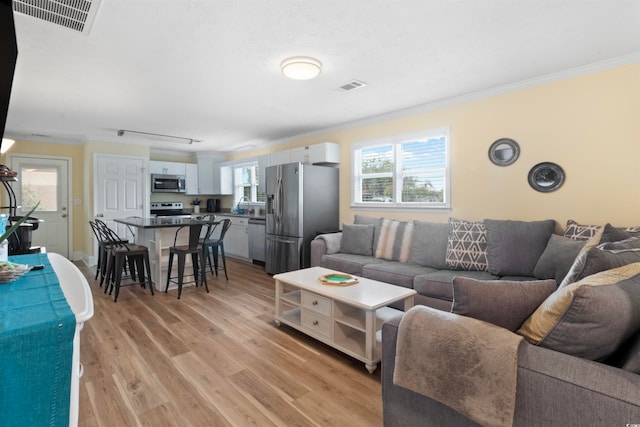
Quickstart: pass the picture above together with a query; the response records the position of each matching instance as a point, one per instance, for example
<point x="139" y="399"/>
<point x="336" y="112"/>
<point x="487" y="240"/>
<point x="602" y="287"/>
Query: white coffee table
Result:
<point x="347" y="318"/>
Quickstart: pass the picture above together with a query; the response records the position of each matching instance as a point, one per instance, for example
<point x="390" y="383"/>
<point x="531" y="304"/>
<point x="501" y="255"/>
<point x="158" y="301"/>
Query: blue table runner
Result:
<point x="36" y="348"/>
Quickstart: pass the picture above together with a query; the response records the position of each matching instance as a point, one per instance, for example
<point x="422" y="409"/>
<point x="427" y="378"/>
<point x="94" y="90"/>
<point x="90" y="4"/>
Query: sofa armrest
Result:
<point x="324" y="244"/>
<point x="553" y="389"/>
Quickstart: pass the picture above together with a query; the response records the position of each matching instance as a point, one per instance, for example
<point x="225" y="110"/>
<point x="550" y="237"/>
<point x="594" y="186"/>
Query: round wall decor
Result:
<point x="546" y="177"/>
<point x="504" y="152"/>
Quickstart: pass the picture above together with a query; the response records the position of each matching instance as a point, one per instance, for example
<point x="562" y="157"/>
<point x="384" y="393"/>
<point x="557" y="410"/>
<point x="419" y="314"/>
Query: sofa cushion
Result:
<point x="357" y="239"/>
<point x="394" y="272"/>
<point x="557" y="258"/>
<point x="376" y="222"/>
<point x="514" y="247"/>
<point x="429" y="244"/>
<point x="590" y="318"/>
<point x="438" y="283"/>
<point x="394" y="243"/>
<point x="504" y="303"/>
<point x="466" y="245"/>
<point x="606" y="234"/>
<point x="348" y="263"/>
<point x="630" y="243"/>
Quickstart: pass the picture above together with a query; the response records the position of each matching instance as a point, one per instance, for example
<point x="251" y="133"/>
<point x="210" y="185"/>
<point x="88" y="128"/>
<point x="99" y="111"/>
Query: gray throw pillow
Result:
<point x="557" y="258"/>
<point x="366" y="220"/>
<point x="599" y="259"/>
<point x="514" y="247"/>
<point x="605" y="234"/>
<point x="590" y="318"/>
<point x="504" y="303"/>
<point x="357" y="239"/>
<point x="429" y="245"/>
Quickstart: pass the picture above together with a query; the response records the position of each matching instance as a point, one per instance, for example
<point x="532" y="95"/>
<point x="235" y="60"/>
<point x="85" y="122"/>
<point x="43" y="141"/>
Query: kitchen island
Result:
<point x="158" y="235"/>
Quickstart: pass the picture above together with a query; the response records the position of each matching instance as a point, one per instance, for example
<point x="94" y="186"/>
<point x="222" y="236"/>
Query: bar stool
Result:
<point x="213" y="243"/>
<point x="104" y="235"/>
<point x="120" y="254"/>
<point x="181" y="251"/>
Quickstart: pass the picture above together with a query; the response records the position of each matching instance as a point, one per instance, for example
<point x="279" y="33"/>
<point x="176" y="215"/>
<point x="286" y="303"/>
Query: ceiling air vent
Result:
<point x="76" y="15"/>
<point x="352" y="85"/>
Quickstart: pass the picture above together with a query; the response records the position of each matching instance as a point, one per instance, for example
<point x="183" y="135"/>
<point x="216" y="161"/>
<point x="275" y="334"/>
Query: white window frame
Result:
<point x="238" y="188"/>
<point x="396" y="142"/>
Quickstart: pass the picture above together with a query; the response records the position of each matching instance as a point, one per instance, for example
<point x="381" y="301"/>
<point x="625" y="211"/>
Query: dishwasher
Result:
<point x="257" y="239"/>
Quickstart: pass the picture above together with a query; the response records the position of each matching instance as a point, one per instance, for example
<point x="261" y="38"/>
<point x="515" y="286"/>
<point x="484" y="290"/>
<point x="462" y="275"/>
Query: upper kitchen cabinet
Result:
<point x="264" y="162"/>
<point x="166" y="168"/>
<point x="317" y="154"/>
<point x="207" y="173"/>
<point x="191" y="177"/>
<point x="224" y="182"/>
<point x="280" y="157"/>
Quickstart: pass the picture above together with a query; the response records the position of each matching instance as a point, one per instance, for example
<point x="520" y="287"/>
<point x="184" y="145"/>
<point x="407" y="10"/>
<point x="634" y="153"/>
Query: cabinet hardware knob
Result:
<point x="315" y="303"/>
<point x="315" y="323"/>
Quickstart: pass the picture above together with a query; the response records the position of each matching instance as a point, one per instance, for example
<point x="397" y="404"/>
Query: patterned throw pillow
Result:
<point x="577" y="231"/>
<point x="467" y="245"/>
<point x="590" y="318"/>
<point x="394" y="243"/>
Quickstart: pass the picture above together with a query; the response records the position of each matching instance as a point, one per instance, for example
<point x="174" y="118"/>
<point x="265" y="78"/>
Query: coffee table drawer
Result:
<point x="317" y="303"/>
<point x="316" y="323"/>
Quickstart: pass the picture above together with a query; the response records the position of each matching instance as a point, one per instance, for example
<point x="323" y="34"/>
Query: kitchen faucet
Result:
<point x="243" y="198"/>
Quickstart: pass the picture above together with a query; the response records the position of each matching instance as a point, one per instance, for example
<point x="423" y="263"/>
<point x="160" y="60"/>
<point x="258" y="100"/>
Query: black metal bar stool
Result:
<point x="214" y="246"/>
<point x="120" y="255"/>
<point x="194" y="248"/>
<point x="105" y="236"/>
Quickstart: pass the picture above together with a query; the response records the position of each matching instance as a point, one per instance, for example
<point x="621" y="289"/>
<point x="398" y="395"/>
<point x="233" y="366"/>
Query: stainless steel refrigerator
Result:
<point x="302" y="200"/>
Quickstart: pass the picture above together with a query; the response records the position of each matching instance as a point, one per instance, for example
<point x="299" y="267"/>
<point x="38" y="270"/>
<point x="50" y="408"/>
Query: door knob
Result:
<point x="64" y="215"/>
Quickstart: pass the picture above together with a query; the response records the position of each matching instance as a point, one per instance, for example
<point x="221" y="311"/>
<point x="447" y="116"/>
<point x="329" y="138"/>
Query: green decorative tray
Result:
<point x="338" y="279"/>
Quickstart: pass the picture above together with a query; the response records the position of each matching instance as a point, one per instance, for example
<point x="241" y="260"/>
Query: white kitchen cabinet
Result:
<point x="191" y="178"/>
<point x="166" y="168"/>
<point x="206" y="173"/>
<point x="280" y="157"/>
<point x="223" y="179"/>
<point x="236" y="241"/>
<point x="323" y="153"/>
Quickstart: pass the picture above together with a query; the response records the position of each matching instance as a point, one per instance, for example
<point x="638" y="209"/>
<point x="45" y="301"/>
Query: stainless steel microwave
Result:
<point x="167" y="183"/>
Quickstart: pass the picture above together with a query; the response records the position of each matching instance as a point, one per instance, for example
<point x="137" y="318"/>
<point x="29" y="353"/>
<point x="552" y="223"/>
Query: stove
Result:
<point x="168" y="209"/>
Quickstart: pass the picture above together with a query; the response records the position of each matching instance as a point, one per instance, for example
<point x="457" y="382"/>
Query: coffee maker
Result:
<point x="213" y="205"/>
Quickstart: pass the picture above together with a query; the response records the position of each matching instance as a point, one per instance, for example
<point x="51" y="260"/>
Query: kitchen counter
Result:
<point x="158" y="235"/>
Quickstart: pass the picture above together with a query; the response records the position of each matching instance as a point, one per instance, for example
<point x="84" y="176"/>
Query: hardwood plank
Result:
<point x="214" y="359"/>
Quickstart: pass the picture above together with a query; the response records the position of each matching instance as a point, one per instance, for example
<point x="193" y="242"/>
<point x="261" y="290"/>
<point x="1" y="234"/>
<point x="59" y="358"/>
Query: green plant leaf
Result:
<point x="15" y="226"/>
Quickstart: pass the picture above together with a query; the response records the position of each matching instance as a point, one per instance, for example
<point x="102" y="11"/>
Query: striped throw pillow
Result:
<point x="394" y="243"/>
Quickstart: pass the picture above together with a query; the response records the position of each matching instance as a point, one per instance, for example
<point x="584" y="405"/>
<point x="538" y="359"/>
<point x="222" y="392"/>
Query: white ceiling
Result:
<point x="209" y="70"/>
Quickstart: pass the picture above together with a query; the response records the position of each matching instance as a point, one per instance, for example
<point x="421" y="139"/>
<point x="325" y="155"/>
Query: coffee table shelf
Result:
<point x="346" y="318"/>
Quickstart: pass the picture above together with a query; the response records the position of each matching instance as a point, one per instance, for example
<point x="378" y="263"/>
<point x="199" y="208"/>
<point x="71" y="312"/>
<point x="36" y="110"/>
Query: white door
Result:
<point x="119" y="190"/>
<point x="45" y="180"/>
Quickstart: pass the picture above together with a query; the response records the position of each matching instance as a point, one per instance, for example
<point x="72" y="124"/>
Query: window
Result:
<point x="403" y="171"/>
<point x="245" y="181"/>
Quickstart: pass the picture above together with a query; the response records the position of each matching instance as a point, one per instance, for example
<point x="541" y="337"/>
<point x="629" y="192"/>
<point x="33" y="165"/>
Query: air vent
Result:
<point x="352" y="85"/>
<point x="77" y="15"/>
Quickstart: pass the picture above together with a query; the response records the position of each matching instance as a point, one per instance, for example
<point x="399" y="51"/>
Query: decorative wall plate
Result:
<point x="338" y="279"/>
<point x="546" y="177"/>
<point x="504" y="151"/>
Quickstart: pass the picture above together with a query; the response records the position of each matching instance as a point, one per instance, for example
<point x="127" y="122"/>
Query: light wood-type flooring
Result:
<point x="214" y="359"/>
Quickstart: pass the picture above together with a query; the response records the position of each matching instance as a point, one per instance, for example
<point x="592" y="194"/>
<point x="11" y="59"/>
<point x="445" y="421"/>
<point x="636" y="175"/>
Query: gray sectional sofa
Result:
<point x="438" y="252"/>
<point x="578" y="359"/>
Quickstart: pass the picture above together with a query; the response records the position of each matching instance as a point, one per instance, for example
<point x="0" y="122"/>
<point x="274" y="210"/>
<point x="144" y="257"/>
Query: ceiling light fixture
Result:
<point x="301" y="68"/>
<point x="6" y="144"/>
<point x="181" y="139"/>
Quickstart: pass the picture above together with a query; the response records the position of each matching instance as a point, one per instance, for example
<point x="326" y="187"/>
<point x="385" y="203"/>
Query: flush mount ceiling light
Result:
<point x="301" y="68"/>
